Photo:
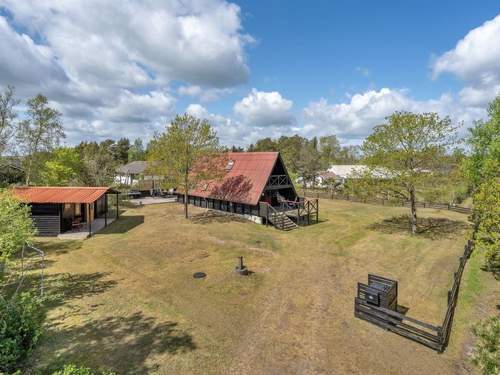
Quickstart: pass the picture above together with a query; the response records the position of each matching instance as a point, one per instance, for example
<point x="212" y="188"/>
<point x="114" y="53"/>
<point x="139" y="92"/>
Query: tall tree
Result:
<point x="484" y="142"/>
<point x="308" y="165"/>
<point x="7" y="117"/>
<point x="482" y="169"/>
<point x="121" y="150"/>
<point x="186" y="154"/>
<point x="409" y="149"/>
<point x="98" y="163"/>
<point x="329" y="148"/>
<point x="290" y="148"/>
<point x="40" y="132"/>
<point x="64" y="167"/>
<point x="136" y="151"/>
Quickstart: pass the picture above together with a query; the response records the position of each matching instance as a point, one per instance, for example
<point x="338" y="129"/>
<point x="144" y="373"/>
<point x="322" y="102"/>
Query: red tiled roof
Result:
<point x="244" y="182"/>
<point x="45" y="194"/>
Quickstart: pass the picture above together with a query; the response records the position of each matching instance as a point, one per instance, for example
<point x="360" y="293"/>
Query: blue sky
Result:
<point x="253" y="68"/>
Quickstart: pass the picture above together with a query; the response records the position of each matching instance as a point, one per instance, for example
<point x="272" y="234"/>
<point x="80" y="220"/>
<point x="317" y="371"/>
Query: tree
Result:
<point x="329" y="149"/>
<point x="121" y="150"/>
<point x="264" y="144"/>
<point x="487" y="219"/>
<point x="40" y="132"/>
<point x="482" y="169"/>
<point x="21" y="320"/>
<point x="136" y="151"/>
<point x="409" y="150"/>
<point x="290" y="148"/>
<point x="16" y="227"/>
<point x="486" y="353"/>
<point x="484" y="141"/>
<point x="98" y="163"/>
<point x="186" y="154"/>
<point x="64" y="167"/>
<point x="349" y="155"/>
<point x="7" y="116"/>
<point x="308" y="165"/>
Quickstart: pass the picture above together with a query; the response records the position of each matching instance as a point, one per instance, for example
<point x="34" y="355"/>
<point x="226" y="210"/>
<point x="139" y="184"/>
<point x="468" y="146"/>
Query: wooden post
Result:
<point x="106" y="210"/>
<point x="117" y="206"/>
<point x="89" y="220"/>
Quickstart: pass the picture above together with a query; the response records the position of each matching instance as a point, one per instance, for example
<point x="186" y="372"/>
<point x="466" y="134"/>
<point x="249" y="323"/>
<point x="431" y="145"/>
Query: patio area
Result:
<point x="152" y="200"/>
<point x="83" y="232"/>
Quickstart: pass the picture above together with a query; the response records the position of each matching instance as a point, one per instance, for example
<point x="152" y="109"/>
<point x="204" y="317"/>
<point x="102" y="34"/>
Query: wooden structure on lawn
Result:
<point x="256" y="185"/>
<point x="56" y="210"/>
<point x="377" y="304"/>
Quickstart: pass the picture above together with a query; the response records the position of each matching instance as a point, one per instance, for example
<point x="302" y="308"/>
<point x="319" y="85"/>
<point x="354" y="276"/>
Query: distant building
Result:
<point x="342" y="173"/>
<point x="135" y="175"/>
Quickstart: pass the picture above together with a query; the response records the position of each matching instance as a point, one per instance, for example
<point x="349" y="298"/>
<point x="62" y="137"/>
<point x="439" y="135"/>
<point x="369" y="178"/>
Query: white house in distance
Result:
<point x="341" y="173"/>
<point x="135" y="175"/>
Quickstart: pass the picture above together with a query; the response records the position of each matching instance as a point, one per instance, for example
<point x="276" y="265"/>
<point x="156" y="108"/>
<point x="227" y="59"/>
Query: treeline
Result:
<point x="31" y="151"/>
<point x="304" y="156"/>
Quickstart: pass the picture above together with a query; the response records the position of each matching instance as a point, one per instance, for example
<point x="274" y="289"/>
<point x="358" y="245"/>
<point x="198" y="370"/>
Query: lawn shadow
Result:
<point x="61" y="288"/>
<point x="120" y="344"/>
<point x="123" y="224"/>
<point x="428" y="227"/>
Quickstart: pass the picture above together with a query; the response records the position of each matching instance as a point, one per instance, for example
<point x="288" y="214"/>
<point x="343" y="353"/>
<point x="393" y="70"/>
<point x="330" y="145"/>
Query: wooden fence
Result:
<point x="435" y="337"/>
<point x="386" y="202"/>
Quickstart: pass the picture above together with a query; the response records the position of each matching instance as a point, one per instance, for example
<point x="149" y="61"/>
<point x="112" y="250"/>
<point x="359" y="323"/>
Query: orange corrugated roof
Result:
<point x="46" y="194"/>
<point x="246" y="180"/>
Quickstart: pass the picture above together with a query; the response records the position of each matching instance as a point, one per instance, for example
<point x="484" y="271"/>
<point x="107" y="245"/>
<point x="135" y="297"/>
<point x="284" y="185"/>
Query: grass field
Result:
<point x="125" y="299"/>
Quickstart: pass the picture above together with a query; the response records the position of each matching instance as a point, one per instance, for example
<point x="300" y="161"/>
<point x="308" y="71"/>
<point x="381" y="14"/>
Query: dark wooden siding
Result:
<point x="47" y="225"/>
<point x="215" y="204"/>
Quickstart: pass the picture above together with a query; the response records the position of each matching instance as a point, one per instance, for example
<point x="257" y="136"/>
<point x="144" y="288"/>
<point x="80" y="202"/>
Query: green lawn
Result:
<point x="125" y="299"/>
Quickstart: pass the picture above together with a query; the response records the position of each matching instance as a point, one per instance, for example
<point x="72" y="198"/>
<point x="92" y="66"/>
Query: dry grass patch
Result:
<point x="138" y="309"/>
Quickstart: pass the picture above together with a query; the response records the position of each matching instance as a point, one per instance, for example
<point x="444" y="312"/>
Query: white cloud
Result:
<point x="24" y="62"/>
<point x="107" y="63"/>
<point x="355" y="119"/>
<point x="475" y="59"/>
<point x="234" y="132"/>
<point x="263" y="109"/>
<point x="134" y="108"/>
<point x="204" y="94"/>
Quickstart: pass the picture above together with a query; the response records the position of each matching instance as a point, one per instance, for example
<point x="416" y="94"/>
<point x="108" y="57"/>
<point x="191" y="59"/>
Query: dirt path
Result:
<point x="289" y="335"/>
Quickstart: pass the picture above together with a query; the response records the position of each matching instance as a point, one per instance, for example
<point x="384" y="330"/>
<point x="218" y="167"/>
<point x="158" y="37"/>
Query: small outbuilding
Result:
<point x="57" y="210"/>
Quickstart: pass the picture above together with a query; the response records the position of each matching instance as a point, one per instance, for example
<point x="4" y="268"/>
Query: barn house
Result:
<point x="59" y="210"/>
<point x="256" y="185"/>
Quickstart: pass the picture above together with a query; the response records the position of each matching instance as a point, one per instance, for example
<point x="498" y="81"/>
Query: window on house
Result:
<point x="229" y="165"/>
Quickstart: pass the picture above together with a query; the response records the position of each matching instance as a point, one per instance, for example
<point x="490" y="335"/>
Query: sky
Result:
<point x="252" y="68"/>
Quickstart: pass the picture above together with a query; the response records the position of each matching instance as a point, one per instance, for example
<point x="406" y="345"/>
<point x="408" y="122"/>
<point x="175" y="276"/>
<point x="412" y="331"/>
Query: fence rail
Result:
<point x="387" y="202"/>
<point x="434" y="337"/>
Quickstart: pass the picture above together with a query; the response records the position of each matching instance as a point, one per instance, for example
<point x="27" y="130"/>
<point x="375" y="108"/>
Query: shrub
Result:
<point x="71" y="369"/>
<point x="21" y="321"/>
<point x="16" y="226"/>
<point x="486" y="353"/>
<point x="487" y="218"/>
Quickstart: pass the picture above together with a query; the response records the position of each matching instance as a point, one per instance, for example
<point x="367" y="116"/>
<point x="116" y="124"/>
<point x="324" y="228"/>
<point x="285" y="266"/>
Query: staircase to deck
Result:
<point x="280" y="220"/>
